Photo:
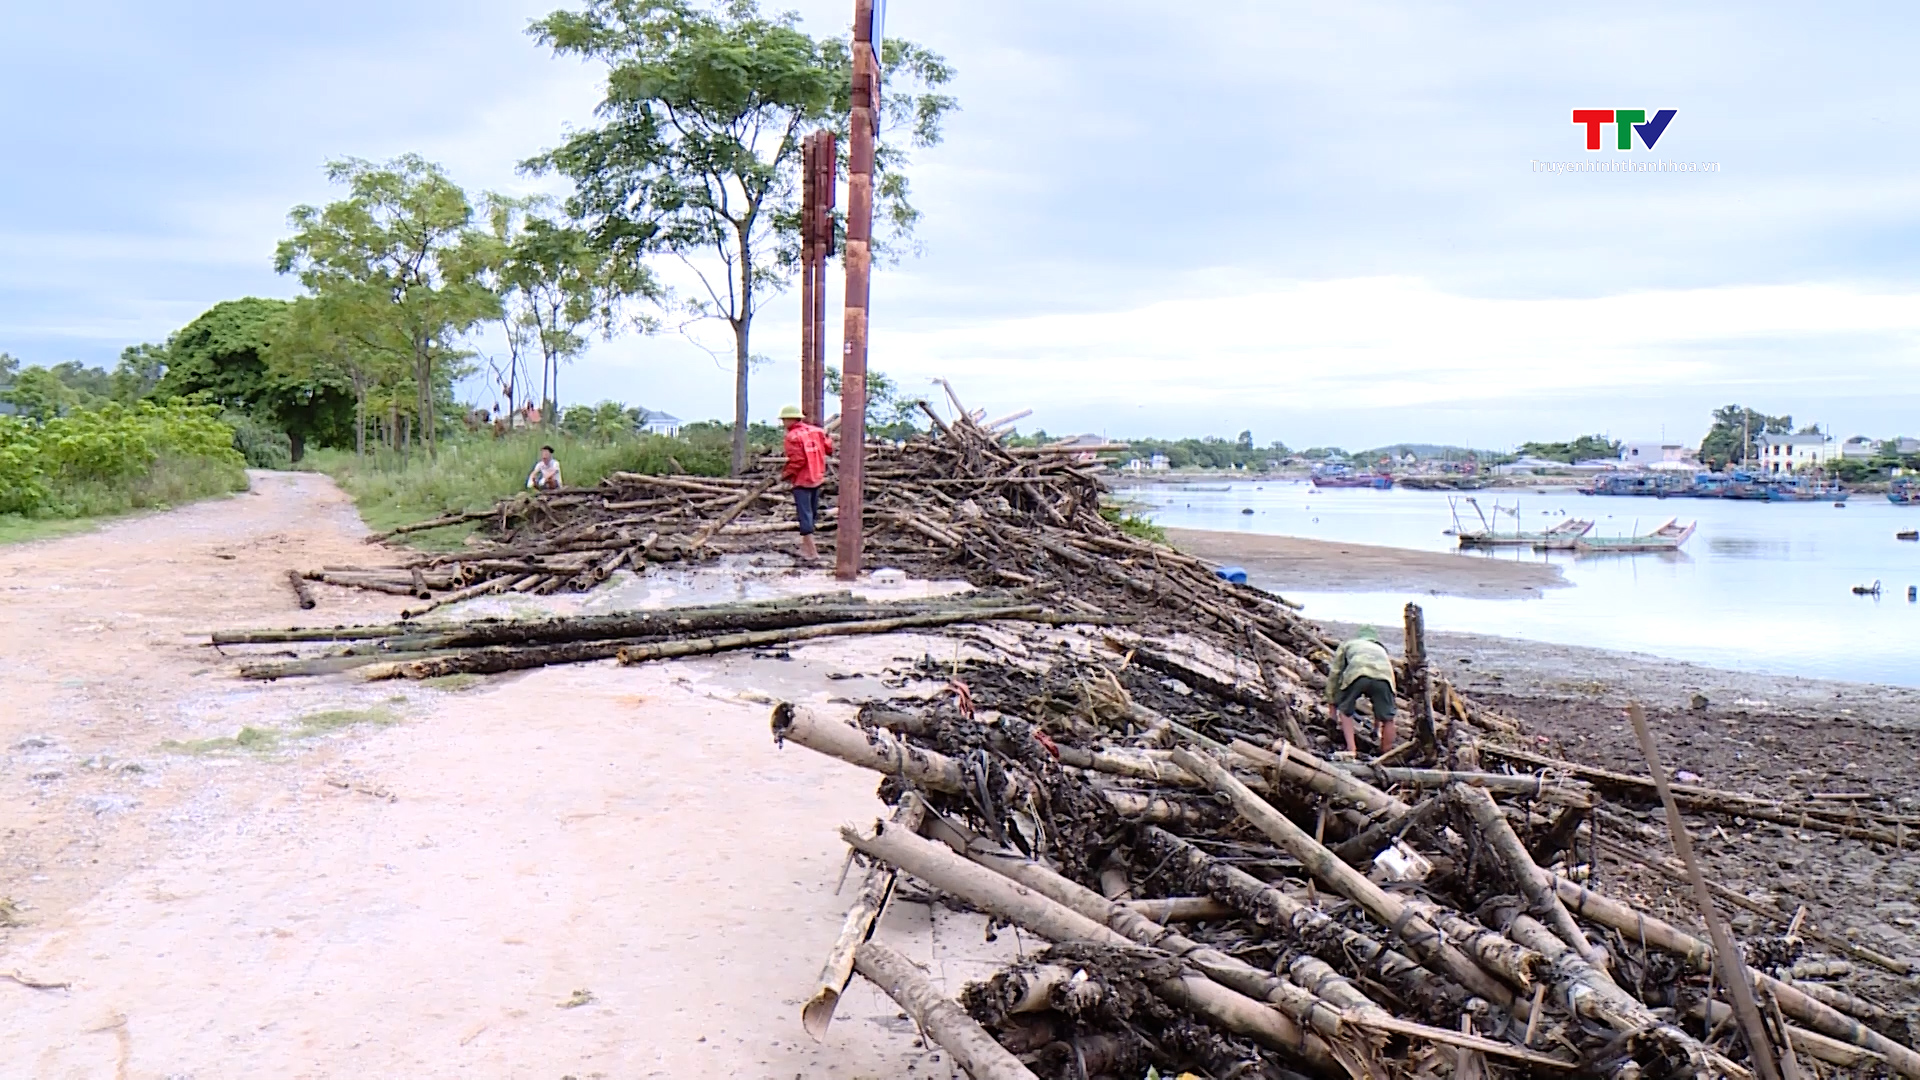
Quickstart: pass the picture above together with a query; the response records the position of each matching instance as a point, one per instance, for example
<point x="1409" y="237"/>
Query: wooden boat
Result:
<point x="1560" y="537"/>
<point x="1907" y="534"/>
<point x="1340" y="477"/>
<point x="1904" y="493"/>
<point x="1668" y="537"/>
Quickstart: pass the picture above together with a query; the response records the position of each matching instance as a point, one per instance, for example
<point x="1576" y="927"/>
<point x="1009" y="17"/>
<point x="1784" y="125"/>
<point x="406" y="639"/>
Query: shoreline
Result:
<point x="1293" y="563"/>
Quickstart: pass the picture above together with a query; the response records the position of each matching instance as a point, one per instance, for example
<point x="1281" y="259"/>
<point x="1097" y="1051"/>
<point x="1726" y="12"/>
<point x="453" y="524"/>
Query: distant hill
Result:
<point x="1419" y="450"/>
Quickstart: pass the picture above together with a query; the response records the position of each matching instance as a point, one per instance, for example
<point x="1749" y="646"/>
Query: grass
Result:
<point x="77" y="505"/>
<point x="472" y="472"/>
<point x="261" y="740"/>
<point x="1133" y="525"/>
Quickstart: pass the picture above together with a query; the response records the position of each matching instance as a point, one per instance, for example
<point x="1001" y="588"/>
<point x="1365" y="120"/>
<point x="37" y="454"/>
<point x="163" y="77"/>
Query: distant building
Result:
<point x="1159" y="463"/>
<point x="1644" y="454"/>
<point x="1793" y="453"/>
<point x="1527" y="466"/>
<point x="1859" y="447"/>
<point x="657" y="423"/>
<point x="1902" y="446"/>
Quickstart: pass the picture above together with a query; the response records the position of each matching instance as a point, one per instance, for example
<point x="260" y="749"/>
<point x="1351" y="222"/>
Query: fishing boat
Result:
<point x="1560" y="537"/>
<point x="1904" y="493"/>
<point x="1668" y="537"/>
<point x="1799" y="490"/>
<point x="1339" y="476"/>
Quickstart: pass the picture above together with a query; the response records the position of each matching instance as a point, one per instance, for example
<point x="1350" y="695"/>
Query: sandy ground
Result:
<point x="1283" y="563"/>
<point x="581" y="871"/>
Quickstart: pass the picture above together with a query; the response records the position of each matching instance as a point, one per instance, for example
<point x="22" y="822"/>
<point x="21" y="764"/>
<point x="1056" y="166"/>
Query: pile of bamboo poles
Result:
<point x="1225" y="900"/>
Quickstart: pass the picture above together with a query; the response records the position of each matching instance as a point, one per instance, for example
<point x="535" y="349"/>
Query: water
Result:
<point x="1760" y="586"/>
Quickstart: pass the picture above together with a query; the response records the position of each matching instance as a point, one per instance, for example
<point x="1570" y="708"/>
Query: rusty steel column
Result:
<point x="809" y="177"/>
<point x="826" y="157"/>
<point x="849" y="540"/>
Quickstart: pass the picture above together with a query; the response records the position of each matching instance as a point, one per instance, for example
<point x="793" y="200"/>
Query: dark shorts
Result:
<point x="1378" y="691"/>
<point x="806" y="503"/>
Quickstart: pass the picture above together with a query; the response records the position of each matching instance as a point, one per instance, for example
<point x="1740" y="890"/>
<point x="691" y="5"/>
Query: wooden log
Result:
<point x="1515" y="963"/>
<point x="1698" y="955"/>
<point x="1422" y="938"/>
<point x="1740" y="900"/>
<point x="434" y="523"/>
<point x="667" y="650"/>
<point x="1733" y="973"/>
<point x="1538" y="786"/>
<point x="420" y="590"/>
<point x="1360" y="849"/>
<point x="1309" y="772"/>
<point x="493" y="660"/>
<point x="1419" y="682"/>
<point x="354" y="581"/>
<point x="1812" y="1043"/>
<point x="1840" y="1001"/>
<point x="320" y="665"/>
<point x="1534" y="882"/>
<point x="983" y="888"/>
<point x="869" y="904"/>
<point x="1594" y="996"/>
<point x="301" y="593"/>
<point x="880" y="751"/>
<point x="706" y="532"/>
<point x="945" y="1022"/>
<point x="1812" y="816"/>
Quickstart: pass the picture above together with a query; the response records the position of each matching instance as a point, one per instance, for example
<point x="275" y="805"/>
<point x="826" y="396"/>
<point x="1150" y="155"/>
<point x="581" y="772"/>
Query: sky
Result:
<point x="1321" y="223"/>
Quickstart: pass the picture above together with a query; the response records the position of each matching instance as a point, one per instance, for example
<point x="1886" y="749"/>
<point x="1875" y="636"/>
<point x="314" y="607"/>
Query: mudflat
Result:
<point x="1292" y="563"/>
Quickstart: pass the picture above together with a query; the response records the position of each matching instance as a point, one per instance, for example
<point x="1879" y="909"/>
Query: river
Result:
<point x="1761" y="587"/>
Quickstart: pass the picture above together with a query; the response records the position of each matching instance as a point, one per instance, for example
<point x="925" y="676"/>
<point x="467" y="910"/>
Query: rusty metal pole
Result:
<point x="827" y="158"/>
<point x="850" y="537"/>
<point x="809" y="180"/>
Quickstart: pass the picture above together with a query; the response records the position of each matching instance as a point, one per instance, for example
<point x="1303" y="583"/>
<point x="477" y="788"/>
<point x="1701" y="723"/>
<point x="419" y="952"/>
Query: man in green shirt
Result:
<point x="1362" y="668"/>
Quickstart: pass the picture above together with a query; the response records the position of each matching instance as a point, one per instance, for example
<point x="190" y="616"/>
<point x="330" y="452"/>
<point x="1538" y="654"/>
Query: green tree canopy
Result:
<point x="222" y="356"/>
<point x="697" y="154"/>
<point x="1584" y="448"/>
<point x="399" y="263"/>
<point x="1730" y="439"/>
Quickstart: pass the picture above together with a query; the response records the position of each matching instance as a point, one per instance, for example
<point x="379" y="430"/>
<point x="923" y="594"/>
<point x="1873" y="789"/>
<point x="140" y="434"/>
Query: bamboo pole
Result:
<point x="944" y="870"/>
<point x="869" y="905"/>
<point x="1536" y="883"/>
<point x="1425" y="941"/>
<point x="1539" y="786"/>
<point x="1324" y="1018"/>
<point x="1698" y="955"/>
<point x="1733" y="973"/>
<point x="667" y="650"/>
<point x="944" y="1022"/>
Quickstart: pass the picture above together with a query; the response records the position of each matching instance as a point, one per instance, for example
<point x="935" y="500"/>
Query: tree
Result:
<point x="222" y="357"/>
<point x="553" y="283"/>
<point x="139" y="372"/>
<point x="316" y="344"/>
<point x="398" y="263"/>
<point x="1730" y="439"/>
<point x="1584" y="448"/>
<point x="39" y="394"/>
<point x="698" y="153"/>
<point x="890" y="413"/>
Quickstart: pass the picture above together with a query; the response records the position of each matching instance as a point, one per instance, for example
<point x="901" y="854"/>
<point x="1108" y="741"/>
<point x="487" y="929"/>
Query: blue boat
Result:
<point x="1904" y="493"/>
<point x="1799" y="489"/>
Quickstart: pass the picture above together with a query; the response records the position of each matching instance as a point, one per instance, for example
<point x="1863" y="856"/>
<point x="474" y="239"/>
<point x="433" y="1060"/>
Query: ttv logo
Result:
<point x="1625" y="122"/>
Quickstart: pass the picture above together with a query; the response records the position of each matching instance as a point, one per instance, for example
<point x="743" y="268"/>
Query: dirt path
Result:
<point x="407" y="880"/>
<point x="1287" y="563"/>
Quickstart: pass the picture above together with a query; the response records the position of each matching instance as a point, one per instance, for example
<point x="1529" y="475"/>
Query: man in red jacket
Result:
<point x="807" y="449"/>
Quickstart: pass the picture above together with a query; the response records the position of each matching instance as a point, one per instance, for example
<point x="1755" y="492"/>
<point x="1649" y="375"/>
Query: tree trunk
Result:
<point x="742" y="332"/>
<point x="359" y="417"/>
<point x="299" y="443"/>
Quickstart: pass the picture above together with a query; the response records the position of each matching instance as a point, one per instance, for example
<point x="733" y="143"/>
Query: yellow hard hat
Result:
<point x="791" y="412"/>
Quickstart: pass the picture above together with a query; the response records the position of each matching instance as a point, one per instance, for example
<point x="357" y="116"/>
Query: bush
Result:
<point x="114" y="459"/>
<point x="263" y="446"/>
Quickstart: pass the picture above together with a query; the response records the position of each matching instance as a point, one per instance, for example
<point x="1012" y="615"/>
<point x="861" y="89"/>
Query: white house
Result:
<point x="1644" y="454"/>
<point x="657" y="423"/>
<point x="1526" y="465"/>
<point x="1793" y="453"/>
